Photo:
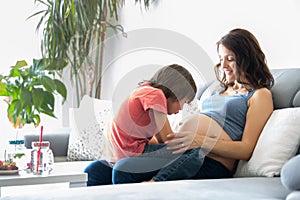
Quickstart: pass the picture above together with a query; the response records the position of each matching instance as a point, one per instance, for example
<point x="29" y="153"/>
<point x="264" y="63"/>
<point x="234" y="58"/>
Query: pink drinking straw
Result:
<point x="39" y="151"/>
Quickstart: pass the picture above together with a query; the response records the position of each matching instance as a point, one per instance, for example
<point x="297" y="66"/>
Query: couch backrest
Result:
<point x="286" y="90"/>
<point x="58" y="141"/>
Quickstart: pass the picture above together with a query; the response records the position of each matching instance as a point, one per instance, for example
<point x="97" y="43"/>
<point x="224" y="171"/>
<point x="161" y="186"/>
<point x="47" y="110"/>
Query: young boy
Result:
<point x="141" y="126"/>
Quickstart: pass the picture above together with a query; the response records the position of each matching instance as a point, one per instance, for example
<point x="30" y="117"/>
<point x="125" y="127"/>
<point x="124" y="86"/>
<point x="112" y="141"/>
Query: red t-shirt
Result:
<point x="134" y="125"/>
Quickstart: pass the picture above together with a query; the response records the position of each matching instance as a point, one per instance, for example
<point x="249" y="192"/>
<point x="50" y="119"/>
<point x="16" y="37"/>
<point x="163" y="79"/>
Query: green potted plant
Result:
<point x="72" y="30"/>
<point x="30" y="91"/>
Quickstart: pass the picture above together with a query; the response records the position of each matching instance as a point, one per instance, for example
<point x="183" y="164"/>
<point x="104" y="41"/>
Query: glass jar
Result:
<point x="42" y="158"/>
<point x="17" y="153"/>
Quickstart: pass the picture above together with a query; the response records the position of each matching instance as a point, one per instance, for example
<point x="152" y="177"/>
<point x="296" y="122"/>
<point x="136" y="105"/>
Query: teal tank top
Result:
<point x="229" y="111"/>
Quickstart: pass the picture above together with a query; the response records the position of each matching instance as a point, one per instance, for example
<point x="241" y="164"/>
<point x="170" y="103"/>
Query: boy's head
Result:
<point x="176" y="83"/>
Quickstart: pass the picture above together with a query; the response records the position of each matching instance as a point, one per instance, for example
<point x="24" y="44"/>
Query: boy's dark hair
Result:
<point x="175" y="81"/>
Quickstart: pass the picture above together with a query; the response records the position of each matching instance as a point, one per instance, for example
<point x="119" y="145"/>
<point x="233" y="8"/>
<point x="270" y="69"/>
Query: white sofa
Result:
<point x="286" y="94"/>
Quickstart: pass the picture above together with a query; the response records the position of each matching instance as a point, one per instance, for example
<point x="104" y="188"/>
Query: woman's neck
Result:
<point x="238" y="88"/>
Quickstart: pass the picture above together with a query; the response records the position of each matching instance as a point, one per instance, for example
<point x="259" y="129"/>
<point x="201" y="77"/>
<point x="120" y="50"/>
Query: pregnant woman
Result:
<point x="230" y="121"/>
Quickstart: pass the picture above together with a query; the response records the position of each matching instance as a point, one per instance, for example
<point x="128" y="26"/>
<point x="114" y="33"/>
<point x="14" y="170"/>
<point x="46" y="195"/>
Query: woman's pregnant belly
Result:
<point x="204" y="125"/>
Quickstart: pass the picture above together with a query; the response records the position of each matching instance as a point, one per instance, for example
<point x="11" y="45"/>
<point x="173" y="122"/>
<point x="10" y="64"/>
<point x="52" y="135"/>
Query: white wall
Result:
<point x="18" y="38"/>
<point x="19" y="41"/>
<point x="276" y="24"/>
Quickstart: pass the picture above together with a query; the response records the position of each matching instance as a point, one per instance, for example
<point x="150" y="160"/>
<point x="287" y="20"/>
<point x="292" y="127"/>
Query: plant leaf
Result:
<point x="61" y="88"/>
<point x="3" y="90"/>
<point x="47" y="106"/>
<point x="37" y="97"/>
<point x="25" y="98"/>
<point x="14" y="110"/>
<point x="21" y="63"/>
<point x="15" y="72"/>
<point x="48" y="83"/>
<point x="19" y="155"/>
<point x="36" y="120"/>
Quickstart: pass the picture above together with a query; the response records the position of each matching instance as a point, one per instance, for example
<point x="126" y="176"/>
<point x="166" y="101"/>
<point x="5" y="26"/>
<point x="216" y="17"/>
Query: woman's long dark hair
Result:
<point x="250" y="60"/>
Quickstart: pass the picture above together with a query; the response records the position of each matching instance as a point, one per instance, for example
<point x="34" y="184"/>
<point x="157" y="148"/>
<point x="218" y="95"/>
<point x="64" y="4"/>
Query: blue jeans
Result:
<point x="100" y="172"/>
<point x="159" y="164"/>
<point x="155" y="163"/>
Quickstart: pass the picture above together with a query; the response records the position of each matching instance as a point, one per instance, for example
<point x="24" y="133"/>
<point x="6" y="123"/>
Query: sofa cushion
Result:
<point x="293" y="196"/>
<point x="58" y="141"/>
<point x="290" y="176"/>
<point x="286" y="90"/>
<point x="88" y="125"/>
<point x="232" y="189"/>
<point x="278" y="142"/>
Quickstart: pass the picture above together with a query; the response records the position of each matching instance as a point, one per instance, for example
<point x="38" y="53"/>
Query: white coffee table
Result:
<point x="62" y="173"/>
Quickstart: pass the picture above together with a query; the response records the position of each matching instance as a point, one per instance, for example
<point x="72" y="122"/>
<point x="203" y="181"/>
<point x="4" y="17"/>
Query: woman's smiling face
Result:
<point x="228" y="63"/>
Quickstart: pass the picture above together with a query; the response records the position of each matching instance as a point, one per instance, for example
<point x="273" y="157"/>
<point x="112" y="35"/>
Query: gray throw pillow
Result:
<point x="290" y="176"/>
<point x="293" y="196"/>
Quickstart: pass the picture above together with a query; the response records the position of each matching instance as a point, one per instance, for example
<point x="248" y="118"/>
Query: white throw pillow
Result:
<point x="89" y="125"/>
<point x="278" y="142"/>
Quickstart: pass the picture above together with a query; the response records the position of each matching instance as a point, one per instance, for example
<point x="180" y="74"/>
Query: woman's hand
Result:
<point x="183" y="141"/>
